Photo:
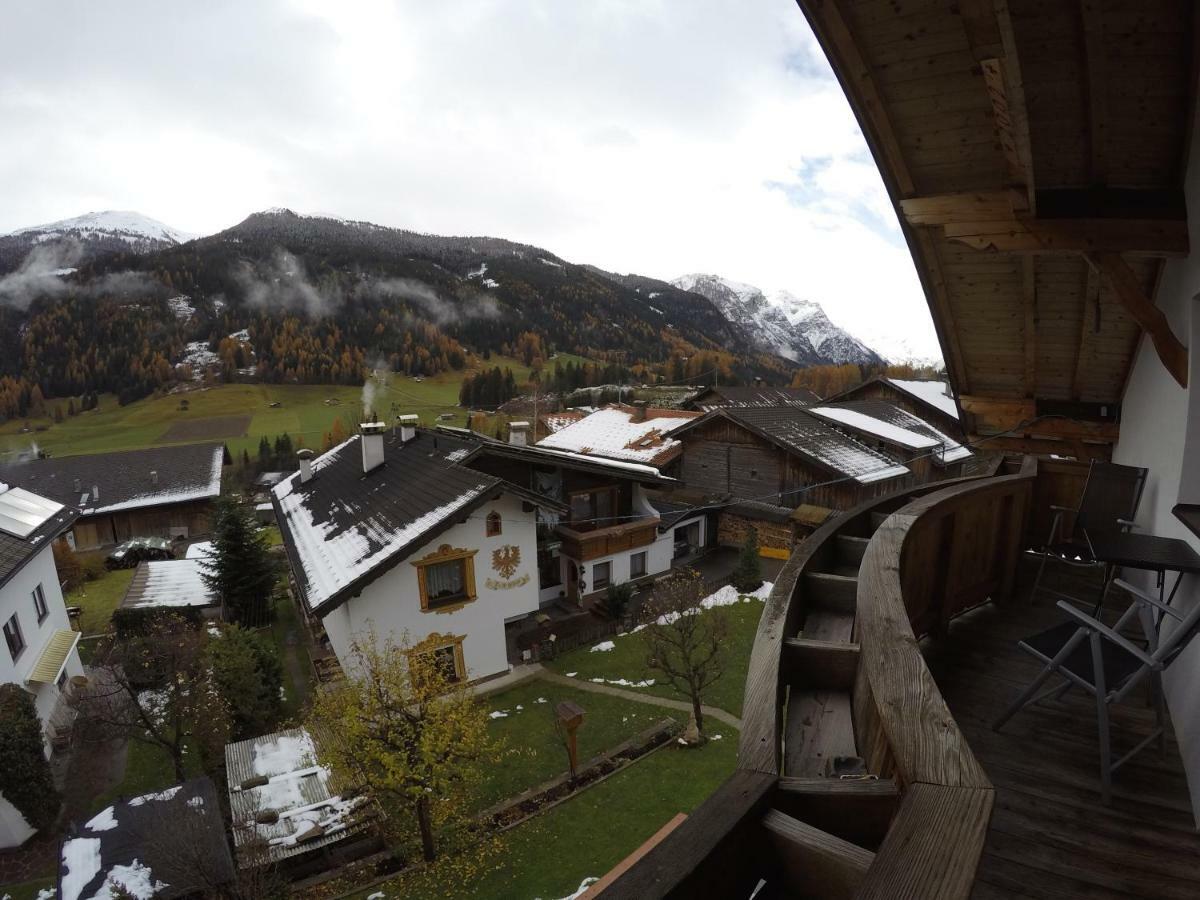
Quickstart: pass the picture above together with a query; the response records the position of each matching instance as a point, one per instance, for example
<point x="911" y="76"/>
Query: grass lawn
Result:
<point x="27" y="890"/>
<point x="534" y="754"/>
<point x="550" y="855"/>
<point x="99" y="598"/>
<point x="628" y="660"/>
<point x="148" y="768"/>
<point x="297" y="671"/>
<point x="305" y="411"/>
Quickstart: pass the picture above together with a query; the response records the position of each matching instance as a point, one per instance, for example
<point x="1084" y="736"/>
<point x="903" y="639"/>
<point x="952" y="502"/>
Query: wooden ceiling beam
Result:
<point x="1140" y="237"/>
<point x="1170" y="349"/>
<point x="1054" y="204"/>
<point x="992" y="415"/>
<point x="1077" y="449"/>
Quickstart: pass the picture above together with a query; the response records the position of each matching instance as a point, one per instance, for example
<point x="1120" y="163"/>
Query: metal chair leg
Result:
<point x="1022" y="701"/>
<point x="1102" y="720"/>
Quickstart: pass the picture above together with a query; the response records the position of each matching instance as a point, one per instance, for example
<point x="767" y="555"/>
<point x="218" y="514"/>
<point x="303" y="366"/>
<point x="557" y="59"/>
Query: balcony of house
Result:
<point x="595" y="540"/>
<point x="869" y="760"/>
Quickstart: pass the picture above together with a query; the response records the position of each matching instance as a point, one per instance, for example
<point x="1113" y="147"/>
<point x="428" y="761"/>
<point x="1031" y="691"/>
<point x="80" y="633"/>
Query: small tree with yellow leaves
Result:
<point x="409" y="733"/>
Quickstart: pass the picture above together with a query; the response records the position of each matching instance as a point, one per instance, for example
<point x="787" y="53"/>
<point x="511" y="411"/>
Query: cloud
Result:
<point x="472" y="305"/>
<point x="40" y="274"/>
<point x="640" y="136"/>
<point x="282" y="284"/>
<point x="44" y="271"/>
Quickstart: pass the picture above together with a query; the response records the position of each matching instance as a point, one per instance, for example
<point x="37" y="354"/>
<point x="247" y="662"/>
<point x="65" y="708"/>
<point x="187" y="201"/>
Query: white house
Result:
<point x="39" y="653"/>
<point x="389" y="531"/>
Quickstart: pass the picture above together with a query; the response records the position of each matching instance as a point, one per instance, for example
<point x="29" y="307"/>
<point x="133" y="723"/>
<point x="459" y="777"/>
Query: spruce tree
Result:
<point x="747" y="575"/>
<point x="25" y="779"/>
<point x="249" y="676"/>
<point x="240" y="570"/>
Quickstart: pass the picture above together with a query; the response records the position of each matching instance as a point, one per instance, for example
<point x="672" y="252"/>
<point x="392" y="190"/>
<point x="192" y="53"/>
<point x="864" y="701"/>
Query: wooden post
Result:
<point x="569" y="718"/>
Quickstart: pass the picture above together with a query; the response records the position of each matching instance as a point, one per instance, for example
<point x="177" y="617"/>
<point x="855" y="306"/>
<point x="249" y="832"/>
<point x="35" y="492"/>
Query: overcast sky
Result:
<point x="652" y="137"/>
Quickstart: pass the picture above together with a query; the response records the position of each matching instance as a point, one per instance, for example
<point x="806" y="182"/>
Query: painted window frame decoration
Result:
<point x="495" y="524"/>
<point x="447" y="554"/>
<point x="435" y="642"/>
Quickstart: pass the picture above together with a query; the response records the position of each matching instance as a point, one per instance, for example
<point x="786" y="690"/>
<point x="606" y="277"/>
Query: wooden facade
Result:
<point x="168" y="520"/>
<point x="723" y="458"/>
<point x="1035" y="154"/>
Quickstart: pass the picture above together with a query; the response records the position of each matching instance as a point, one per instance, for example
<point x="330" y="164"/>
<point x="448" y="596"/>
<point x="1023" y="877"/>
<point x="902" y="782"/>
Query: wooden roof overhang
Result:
<point x="1035" y="154"/>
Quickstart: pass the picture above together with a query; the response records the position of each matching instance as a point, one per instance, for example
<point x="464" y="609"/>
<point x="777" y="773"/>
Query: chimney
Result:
<point x="77" y="486"/>
<point x="372" y="445"/>
<point x="408" y="427"/>
<point x="154" y="477"/>
<point x="758" y="381"/>
<point x="639" y="411"/>
<point x="518" y="433"/>
<point x="305" y="457"/>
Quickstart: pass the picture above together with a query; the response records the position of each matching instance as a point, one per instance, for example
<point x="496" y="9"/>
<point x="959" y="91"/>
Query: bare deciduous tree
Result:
<point x="684" y="642"/>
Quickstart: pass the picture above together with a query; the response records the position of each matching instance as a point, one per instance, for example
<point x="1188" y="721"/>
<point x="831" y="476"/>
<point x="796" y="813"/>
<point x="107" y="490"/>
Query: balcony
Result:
<point x="597" y="543"/>
<point x="885" y="652"/>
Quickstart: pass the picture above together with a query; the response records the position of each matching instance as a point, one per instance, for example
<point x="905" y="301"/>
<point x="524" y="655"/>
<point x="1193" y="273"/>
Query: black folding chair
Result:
<point x="1110" y="500"/>
<point x="1090" y="655"/>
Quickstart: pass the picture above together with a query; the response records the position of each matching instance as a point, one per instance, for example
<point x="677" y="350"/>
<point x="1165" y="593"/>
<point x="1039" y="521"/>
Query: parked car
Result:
<point x="129" y="553"/>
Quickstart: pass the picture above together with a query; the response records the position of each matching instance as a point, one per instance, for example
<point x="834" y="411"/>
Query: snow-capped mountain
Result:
<point x="141" y="233"/>
<point x="781" y="323"/>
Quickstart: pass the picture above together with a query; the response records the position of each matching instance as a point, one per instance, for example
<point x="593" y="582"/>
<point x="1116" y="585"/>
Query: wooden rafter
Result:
<point x="1129" y="291"/>
<point x="1140" y="237"/>
<point x="993" y="415"/>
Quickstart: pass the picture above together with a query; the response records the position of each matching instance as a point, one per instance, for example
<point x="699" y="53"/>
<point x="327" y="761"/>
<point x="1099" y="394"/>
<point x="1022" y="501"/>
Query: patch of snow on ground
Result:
<point x="491" y="283"/>
<point x="243" y="336"/>
<point x="540" y="700"/>
<point x="717" y="737"/>
<point x="549" y="262"/>
<point x="199" y="357"/>
<point x="623" y="682"/>
<point x="81" y="859"/>
<point x="478" y="273"/>
<point x="498" y="714"/>
<point x="728" y="595"/>
<point x="579" y="891"/>
<point x="44" y="893"/>
<point x="102" y="821"/>
<point x="154" y="703"/>
<point x="182" y="307"/>
<point x="136" y="880"/>
<point x="572" y="674"/>
<point x="603" y="647"/>
<point x="378" y="895"/>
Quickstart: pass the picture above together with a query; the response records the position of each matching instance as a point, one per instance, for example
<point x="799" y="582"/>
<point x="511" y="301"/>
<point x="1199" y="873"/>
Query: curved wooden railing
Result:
<point x="914" y="825"/>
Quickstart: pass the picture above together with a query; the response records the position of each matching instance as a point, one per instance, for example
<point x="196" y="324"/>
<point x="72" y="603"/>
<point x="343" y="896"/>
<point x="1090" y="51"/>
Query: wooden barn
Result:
<point x="931" y="401"/>
<point x="755" y="395"/>
<point x="767" y="461"/>
<point x="156" y="492"/>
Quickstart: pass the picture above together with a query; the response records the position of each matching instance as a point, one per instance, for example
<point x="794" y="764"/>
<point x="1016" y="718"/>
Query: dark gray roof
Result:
<point x="798" y="431"/>
<point x="762" y="395"/>
<point x="15" y="552"/>
<point x="178" y="834"/>
<point x="183" y="472"/>
<point x="343" y="529"/>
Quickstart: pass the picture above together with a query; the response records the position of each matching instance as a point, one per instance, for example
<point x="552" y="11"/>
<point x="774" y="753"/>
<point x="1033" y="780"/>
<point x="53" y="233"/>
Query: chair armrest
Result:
<point x="1070" y="509"/>
<point x="1148" y="599"/>
<point x="1124" y="643"/>
<point x="1127" y="523"/>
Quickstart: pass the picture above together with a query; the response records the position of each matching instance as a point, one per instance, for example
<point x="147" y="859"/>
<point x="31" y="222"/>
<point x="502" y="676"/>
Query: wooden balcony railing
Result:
<point x="601" y="542"/>
<point x="837" y="674"/>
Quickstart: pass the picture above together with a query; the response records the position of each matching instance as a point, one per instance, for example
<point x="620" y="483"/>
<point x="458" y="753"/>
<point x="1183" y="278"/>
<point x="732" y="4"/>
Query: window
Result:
<point x="446" y="578"/>
<point x="39" y="604"/>
<point x="637" y="565"/>
<point x="444" y="652"/>
<point x="549" y="569"/>
<point x="12" y="635"/>
<point x="601" y="575"/>
<point x="61" y="684"/>
<point x="493" y="524"/>
<point x="594" y="509"/>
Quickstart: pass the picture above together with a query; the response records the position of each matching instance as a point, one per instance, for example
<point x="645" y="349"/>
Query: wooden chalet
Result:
<point x="1041" y="163"/>
<point x="755" y="395"/>
<point x="931" y="401"/>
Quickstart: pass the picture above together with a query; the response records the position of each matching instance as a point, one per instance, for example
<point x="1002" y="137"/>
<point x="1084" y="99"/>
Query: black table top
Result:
<point x="1144" y="551"/>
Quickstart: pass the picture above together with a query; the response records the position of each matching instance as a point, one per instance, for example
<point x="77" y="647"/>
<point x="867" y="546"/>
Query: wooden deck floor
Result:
<point x="1050" y="836"/>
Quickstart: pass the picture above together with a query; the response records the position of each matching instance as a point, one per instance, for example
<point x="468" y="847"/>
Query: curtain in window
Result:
<point x="445" y="580"/>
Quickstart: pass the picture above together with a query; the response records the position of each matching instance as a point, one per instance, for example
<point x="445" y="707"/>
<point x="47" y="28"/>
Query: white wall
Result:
<point x="393" y="602"/>
<point x="17" y="596"/>
<point x="1155" y="418"/>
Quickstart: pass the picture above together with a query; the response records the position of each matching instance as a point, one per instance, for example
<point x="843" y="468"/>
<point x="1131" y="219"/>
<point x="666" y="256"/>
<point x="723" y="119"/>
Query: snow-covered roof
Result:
<point x="125" y="479"/>
<point x="342" y="525"/>
<point x="169" y="583"/>
<point x="280" y="772"/>
<point x="135" y="845"/>
<point x="894" y="425"/>
<point x="615" y="433"/>
<point x="557" y="421"/>
<point x="796" y="429"/>
<point x="935" y="393"/>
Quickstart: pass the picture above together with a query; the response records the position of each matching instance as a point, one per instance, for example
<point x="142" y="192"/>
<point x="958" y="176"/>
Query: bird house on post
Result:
<point x="569" y="716"/>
